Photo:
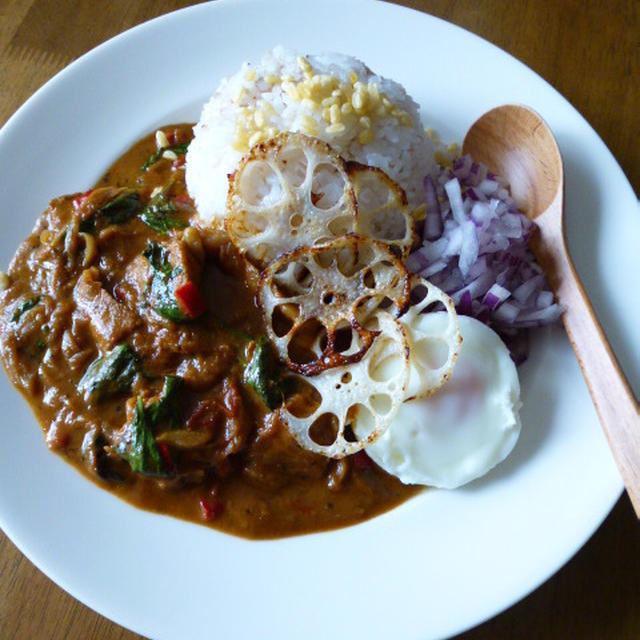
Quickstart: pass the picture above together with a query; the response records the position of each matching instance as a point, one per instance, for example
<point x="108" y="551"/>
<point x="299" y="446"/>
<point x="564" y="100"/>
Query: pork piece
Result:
<point x="110" y="321"/>
<point x="187" y="257"/>
<point x="152" y="278"/>
<point x="229" y="424"/>
<point x="134" y="283"/>
<point x="238" y="423"/>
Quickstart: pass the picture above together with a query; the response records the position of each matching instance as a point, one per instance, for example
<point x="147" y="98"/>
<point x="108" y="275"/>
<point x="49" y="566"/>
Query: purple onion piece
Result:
<point x="433" y="226"/>
<point x="490" y="273"/>
<point x="464" y="306"/>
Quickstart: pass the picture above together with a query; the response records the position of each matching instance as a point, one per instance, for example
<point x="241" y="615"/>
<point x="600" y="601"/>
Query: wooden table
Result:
<point x="587" y="49"/>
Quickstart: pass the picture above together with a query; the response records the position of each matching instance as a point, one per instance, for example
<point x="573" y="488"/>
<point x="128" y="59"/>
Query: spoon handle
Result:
<point x="612" y="396"/>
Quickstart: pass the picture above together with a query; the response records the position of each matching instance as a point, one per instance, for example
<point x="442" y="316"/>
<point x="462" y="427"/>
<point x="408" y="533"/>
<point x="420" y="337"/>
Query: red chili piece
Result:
<point x="77" y="201"/>
<point x="211" y="508"/>
<point x="163" y="450"/>
<point x="190" y="300"/>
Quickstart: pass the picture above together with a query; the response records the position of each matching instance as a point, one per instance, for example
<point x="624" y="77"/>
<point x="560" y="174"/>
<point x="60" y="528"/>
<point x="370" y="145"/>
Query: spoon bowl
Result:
<point x="514" y="142"/>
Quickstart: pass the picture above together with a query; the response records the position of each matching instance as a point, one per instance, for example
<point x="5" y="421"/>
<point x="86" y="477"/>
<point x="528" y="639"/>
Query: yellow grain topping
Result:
<point x="353" y="104"/>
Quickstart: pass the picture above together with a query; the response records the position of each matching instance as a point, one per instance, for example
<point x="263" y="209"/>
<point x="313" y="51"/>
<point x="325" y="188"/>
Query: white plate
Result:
<point x="441" y="562"/>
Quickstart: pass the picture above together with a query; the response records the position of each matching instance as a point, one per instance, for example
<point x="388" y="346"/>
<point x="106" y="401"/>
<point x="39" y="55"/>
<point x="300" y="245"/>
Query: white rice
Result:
<point x="399" y="146"/>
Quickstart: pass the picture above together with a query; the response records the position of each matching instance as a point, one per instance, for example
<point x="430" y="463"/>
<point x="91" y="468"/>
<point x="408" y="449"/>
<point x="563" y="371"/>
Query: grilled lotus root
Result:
<point x="383" y="212"/>
<point x="433" y="347"/>
<point x="360" y="398"/>
<point x="288" y="192"/>
<point x="316" y="301"/>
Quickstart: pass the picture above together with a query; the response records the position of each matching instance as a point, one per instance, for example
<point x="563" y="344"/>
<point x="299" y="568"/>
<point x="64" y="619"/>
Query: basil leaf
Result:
<point x="167" y="408"/>
<point x="158" y="258"/>
<point x="109" y="374"/>
<point x="137" y="445"/>
<point x="262" y="373"/>
<point x="161" y="290"/>
<point x="178" y="149"/>
<point x="160" y="215"/>
<point x="117" y="211"/>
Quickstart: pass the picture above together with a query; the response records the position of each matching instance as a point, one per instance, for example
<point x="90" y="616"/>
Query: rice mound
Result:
<point x="374" y="122"/>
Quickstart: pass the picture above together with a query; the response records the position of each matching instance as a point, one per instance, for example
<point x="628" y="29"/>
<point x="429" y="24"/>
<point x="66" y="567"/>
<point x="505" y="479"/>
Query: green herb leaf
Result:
<point x="160" y="215"/>
<point x="162" y="292"/>
<point x="178" y="149"/>
<point x="167" y="408"/>
<point x="109" y="374"/>
<point x="262" y="373"/>
<point x="158" y="258"/>
<point x="25" y="306"/>
<point x="137" y="445"/>
<point x="117" y="211"/>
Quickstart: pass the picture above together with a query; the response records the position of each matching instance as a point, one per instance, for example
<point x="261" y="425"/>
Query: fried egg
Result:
<point x="465" y="427"/>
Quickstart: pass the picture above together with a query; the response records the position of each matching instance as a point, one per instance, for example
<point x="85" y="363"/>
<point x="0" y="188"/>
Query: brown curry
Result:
<point x="133" y="332"/>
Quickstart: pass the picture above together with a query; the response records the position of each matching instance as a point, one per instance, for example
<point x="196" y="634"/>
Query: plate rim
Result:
<point x="16" y="117"/>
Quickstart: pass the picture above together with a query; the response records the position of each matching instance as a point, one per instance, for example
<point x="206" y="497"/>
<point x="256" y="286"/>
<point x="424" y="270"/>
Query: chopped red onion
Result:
<point x="475" y="248"/>
<point x="495" y="296"/>
<point x="452" y="187"/>
<point x="433" y="221"/>
<point x="544" y="299"/>
<point x="508" y="312"/>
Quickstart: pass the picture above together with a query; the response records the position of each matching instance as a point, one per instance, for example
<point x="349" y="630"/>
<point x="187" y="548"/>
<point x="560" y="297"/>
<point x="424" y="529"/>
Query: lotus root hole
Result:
<point x="306" y="342"/>
<point x="431" y="353"/>
<point x="328" y="297"/>
<point x="436" y="305"/>
<point x="328" y="186"/>
<point x="363" y="421"/>
<point x="373" y="192"/>
<point x="387" y="225"/>
<point x="341" y="225"/>
<point x="369" y="279"/>
<point x="418" y="294"/>
<point x="381" y="403"/>
<point x="343" y="339"/>
<point x="293" y="164"/>
<point x="324" y="429"/>
<point x="260" y="185"/>
<point x="348" y="434"/>
<point x="283" y="318"/>
<point x="305" y="401"/>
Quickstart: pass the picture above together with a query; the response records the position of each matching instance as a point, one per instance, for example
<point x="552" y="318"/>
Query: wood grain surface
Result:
<point x="587" y="49"/>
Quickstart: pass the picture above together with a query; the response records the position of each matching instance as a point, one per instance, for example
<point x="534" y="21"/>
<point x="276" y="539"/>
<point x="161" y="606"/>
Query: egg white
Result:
<point x="465" y="427"/>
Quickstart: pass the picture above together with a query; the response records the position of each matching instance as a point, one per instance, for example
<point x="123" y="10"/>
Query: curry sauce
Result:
<point x="133" y="332"/>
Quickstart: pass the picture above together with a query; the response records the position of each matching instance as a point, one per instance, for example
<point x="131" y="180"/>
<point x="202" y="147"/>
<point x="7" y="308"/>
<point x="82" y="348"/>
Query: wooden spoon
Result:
<point x="516" y="143"/>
